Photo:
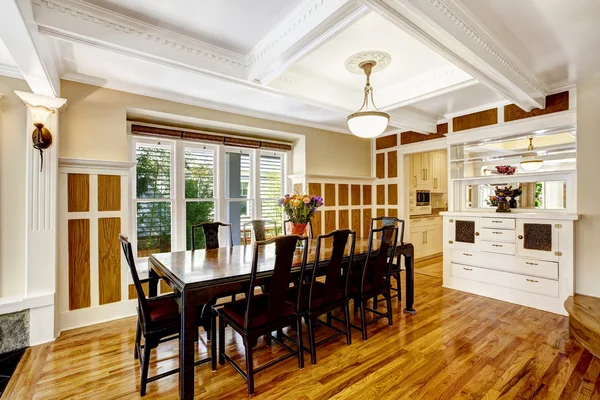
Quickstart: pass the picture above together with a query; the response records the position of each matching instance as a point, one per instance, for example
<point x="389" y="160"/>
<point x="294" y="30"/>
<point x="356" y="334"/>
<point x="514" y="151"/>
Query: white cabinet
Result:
<point x="421" y="171"/>
<point x="426" y="236"/>
<point x="439" y="172"/>
<point x="538" y="238"/>
<point x="463" y="233"/>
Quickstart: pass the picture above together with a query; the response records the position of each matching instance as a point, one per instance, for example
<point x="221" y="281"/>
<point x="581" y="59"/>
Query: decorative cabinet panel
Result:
<point x="426" y="235"/>
<point x="463" y="233"/>
<point x="439" y="170"/>
<point x="538" y="239"/>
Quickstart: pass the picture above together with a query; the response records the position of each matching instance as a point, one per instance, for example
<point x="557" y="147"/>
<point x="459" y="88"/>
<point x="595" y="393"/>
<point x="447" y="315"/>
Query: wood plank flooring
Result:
<point x="458" y="345"/>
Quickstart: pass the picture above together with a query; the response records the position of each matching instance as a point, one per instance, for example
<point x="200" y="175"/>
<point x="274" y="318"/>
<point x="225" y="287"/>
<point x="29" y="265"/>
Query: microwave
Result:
<point x="423" y="198"/>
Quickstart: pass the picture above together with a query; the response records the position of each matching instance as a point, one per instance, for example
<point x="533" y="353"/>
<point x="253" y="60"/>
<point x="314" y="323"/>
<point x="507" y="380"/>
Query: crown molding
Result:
<point x="481" y="107"/>
<point x="448" y="29"/>
<point x="10" y="71"/>
<point x="159" y="94"/>
<point x="80" y="21"/>
<point x="311" y="24"/>
<point x="68" y="162"/>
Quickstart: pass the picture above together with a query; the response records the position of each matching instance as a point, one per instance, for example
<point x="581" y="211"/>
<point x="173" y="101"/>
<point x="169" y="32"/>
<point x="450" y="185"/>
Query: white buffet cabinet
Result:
<point x="522" y="258"/>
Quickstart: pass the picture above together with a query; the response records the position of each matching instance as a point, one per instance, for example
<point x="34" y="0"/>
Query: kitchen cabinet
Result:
<point x="421" y="171"/>
<point x="429" y="171"/>
<point x="439" y="172"/>
<point x="427" y="236"/>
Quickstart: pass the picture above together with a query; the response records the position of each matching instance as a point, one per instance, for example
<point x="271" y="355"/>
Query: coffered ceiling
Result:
<point x="284" y="60"/>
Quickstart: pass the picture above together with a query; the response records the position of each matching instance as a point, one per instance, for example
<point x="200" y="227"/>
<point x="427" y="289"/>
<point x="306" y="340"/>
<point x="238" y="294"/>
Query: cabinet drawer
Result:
<point x="544" y="269"/>
<point x="525" y="283"/>
<point x="469" y="258"/>
<point x="498" y="247"/>
<point x="498" y="235"/>
<point x="498" y="223"/>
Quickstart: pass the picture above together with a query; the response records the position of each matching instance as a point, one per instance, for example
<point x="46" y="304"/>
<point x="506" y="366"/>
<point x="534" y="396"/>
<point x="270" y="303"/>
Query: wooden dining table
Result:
<point x="200" y="276"/>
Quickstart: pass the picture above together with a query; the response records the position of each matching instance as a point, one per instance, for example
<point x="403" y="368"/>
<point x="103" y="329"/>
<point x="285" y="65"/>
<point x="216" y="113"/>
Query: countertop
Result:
<point x="435" y="212"/>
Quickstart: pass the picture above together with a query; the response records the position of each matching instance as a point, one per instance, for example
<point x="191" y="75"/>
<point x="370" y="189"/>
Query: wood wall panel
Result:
<point x="329" y="197"/>
<point x="367" y="195"/>
<point x="109" y="193"/>
<point x="380" y="194"/>
<point x="380" y="165"/>
<point x="392" y="170"/>
<point x="355" y="195"/>
<point x="385" y="142"/>
<point x="392" y="212"/>
<point x="366" y="222"/>
<point x="356" y="222"/>
<point x="329" y="221"/>
<point x="314" y="189"/>
<point x="342" y="194"/>
<point x="316" y="224"/>
<point x="109" y="260"/>
<point x="164" y="288"/>
<point x="344" y="223"/>
<point x="132" y="293"/>
<point x="554" y="103"/>
<point x="381" y="212"/>
<point x="78" y="192"/>
<point x="79" y="263"/>
<point x="414" y="137"/>
<point x="475" y="120"/>
<point x="393" y="194"/>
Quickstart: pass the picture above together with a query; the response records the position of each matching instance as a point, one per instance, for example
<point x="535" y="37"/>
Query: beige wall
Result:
<point x="587" y="255"/>
<point x="13" y="142"/>
<point x="94" y="126"/>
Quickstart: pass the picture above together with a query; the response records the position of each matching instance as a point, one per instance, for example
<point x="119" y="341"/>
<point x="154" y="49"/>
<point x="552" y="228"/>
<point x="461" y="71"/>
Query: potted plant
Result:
<point x="300" y="209"/>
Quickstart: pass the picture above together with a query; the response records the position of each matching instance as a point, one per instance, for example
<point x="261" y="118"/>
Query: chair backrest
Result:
<point x="285" y="247"/>
<point x="391" y="221"/>
<point x="333" y="269"/>
<point x="309" y="227"/>
<point x="211" y="234"/>
<point x="259" y="227"/>
<point x="373" y="272"/>
<point x="143" y="303"/>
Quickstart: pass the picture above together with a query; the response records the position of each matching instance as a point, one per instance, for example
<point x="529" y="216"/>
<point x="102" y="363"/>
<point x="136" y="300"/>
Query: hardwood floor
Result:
<point x="432" y="267"/>
<point x="458" y="345"/>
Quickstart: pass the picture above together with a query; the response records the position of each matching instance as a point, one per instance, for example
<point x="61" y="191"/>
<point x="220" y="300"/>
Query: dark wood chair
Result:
<point x="309" y="227"/>
<point x="211" y="234"/>
<point x="259" y="315"/>
<point x="317" y="298"/>
<point x="258" y="227"/>
<point x="159" y="321"/>
<point x="373" y="280"/>
<point x="396" y="265"/>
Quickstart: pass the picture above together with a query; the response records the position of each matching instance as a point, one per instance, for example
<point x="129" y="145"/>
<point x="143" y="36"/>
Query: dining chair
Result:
<point x="211" y="234"/>
<point x="261" y="314"/>
<point x="309" y="227"/>
<point x="258" y="228"/>
<point x="159" y="321"/>
<point x="373" y="280"/>
<point x="316" y="298"/>
<point x="396" y="265"/>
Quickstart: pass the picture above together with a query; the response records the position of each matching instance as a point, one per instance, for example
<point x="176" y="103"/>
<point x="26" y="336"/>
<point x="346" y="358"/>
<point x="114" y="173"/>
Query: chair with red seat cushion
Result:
<point x="318" y="298"/>
<point x="374" y="279"/>
<point x="259" y="315"/>
<point x="158" y="321"/>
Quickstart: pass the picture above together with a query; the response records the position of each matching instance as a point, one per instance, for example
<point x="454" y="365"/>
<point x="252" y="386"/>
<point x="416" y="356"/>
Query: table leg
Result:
<point x="410" y="280"/>
<point x="153" y="283"/>
<point x="186" y="346"/>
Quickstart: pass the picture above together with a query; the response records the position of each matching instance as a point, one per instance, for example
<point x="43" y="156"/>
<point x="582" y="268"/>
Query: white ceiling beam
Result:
<point x="81" y="22"/>
<point x="30" y="51"/>
<point x="312" y="23"/>
<point x="450" y="30"/>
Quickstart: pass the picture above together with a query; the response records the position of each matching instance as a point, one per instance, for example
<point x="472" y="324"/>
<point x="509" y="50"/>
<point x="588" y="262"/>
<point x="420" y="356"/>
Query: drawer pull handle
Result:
<point x="532" y="280"/>
<point x="497" y="245"/>
<point x="497" y="233"/>
<point x="468" y="269"/>
<point x="530" y="263"/>
<point x="467" y="254"/>
<point x="497" y="222"/>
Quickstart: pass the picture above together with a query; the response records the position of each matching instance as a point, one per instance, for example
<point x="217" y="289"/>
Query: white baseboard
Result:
<point x="95" y="315"/>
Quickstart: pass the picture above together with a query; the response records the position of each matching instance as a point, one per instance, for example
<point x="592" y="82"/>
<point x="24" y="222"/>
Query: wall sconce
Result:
<point x="41" y="136"/>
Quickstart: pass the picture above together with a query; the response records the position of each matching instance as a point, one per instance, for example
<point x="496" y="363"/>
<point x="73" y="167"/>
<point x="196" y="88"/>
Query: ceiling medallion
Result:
<point x="382" y="60"/>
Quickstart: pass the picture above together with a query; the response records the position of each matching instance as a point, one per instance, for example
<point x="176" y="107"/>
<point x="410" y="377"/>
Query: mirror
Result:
<point x="545" y="195"/>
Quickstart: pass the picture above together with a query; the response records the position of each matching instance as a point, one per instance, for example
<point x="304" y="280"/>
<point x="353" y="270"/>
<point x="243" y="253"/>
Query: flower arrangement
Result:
<point x="300" y="208"/>
<point x="505" y="169"/>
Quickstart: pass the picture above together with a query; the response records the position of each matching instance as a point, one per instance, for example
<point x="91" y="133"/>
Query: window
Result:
<point x="179" y="184"/>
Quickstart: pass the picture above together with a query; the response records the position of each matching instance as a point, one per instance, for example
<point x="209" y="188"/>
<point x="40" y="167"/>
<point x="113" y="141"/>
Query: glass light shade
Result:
<point x="531" y="164"/>
<point x="40" y="114"/>
<point x="368" y="124"/>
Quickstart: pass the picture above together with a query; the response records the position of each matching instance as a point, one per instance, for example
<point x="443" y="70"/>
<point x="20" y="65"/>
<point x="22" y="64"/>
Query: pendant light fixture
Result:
<point x="368" y="121"/>
<point x="531" y="162"/>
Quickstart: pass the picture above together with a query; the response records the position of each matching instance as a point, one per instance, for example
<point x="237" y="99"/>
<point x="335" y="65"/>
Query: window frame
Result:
<point x="177" y="186"/>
